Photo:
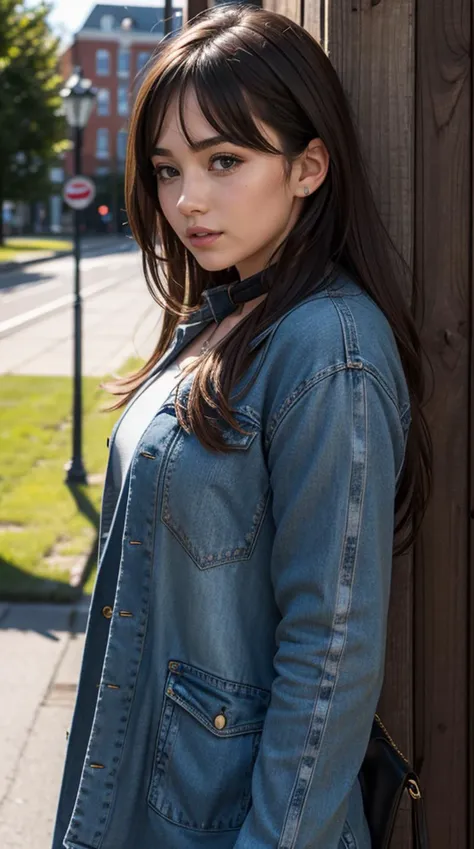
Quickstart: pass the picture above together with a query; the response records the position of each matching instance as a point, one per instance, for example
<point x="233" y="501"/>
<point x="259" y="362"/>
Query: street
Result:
<point x="120" y="318"/>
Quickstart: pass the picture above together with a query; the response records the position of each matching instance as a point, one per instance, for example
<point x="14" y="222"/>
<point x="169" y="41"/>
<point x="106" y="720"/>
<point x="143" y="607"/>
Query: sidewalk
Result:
<point x="46" y="643"/>
<point x="88" y="243"/>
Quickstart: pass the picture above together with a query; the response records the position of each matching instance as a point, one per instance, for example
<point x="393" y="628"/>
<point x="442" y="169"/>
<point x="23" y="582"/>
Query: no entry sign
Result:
<point x="79" y="192"/>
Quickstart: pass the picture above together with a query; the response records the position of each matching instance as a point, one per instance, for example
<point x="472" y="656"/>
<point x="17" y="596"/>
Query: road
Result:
<point x="120" y="317"/>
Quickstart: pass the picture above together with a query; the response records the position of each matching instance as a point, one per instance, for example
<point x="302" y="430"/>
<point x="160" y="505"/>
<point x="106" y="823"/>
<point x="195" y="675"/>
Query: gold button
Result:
<point x="107" y="611"/>
<point x="220" y="722"/>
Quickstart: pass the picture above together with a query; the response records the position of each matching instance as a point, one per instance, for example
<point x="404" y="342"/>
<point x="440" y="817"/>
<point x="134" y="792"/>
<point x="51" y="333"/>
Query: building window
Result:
<point x="107" y="23"/>
<point x="103" y="102"/>
<point x="177" y="21"/>
<point x="123" y="66"/>
<point x="142" y="59"/>
<point x="122" y="136"/>
<point x="102" y="63"/>
<point x="102" y="144"/>
<point x="122" y="100"/>
<point x="102" y="171"/>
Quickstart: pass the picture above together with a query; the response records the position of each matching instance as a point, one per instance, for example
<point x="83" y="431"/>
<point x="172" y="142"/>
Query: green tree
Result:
<point x="32" y="129"/>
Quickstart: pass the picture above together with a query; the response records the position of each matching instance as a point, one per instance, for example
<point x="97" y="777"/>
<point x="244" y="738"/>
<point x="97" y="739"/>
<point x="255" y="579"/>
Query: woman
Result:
<point x="235" y="646"/>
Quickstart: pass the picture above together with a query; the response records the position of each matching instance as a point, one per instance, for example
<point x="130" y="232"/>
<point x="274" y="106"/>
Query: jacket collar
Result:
<point x="221" y="301"/>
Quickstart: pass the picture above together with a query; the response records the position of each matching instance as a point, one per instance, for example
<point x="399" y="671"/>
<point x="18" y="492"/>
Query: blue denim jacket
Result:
<point x="235" y="644"/>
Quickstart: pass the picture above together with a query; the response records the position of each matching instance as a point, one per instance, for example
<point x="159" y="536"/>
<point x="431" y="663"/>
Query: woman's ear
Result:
<point x="313" y="165"/>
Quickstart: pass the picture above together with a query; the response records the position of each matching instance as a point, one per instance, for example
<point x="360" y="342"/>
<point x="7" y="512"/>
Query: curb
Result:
<point x="11" y="265"/>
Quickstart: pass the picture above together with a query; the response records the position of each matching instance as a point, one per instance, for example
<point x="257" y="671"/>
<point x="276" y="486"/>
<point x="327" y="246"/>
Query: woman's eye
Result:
<point x="226" y="158"/>
<point x="159" y="172"/>
<point x="227" y="162"/>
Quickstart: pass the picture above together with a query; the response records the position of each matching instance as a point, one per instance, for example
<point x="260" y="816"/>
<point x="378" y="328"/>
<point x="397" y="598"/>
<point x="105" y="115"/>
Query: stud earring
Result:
<point x="306" y="190"/>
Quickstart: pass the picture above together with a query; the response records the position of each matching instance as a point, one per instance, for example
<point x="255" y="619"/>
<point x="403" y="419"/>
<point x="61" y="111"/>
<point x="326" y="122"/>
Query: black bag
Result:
<point x="384" y="776"/>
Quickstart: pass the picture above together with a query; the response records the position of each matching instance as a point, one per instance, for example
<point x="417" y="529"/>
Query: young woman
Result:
<point x="271" y="457"/>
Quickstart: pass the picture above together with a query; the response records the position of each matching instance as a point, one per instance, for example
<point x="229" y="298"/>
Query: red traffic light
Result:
<point x="103" y="210"/>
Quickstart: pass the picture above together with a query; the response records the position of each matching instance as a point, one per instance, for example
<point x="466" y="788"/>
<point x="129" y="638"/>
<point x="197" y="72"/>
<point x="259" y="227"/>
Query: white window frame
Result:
<point x="103" y="102"/>
<point x="102" y="55"/>
<point x="107" y="23"/>
<point x="123" y="106"/>
<point x="142" y="62"/>
<point x="102" y="151"/>
<point x="123" y="51"/>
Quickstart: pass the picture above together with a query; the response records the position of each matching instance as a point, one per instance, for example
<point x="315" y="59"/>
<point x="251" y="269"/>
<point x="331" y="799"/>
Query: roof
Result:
<point x="145" y="18"/>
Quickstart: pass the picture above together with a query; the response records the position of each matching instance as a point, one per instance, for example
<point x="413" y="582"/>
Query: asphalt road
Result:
<point x="120" y="318"/>
<point x="28" y="293"/>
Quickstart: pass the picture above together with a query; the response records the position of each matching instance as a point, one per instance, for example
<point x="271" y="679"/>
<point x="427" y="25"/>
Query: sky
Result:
<point x="69" y="15"/>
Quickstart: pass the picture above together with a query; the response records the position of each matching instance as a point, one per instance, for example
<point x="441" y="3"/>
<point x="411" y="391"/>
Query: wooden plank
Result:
<point x="443" y="248"/>
<point x="372" y="49"/>
<point x="290" y="8"/>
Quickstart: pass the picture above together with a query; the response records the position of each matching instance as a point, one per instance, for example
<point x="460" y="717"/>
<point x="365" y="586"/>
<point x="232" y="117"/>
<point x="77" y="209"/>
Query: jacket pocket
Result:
<point x="207" y="743"/>
<point x="214" y="503"/>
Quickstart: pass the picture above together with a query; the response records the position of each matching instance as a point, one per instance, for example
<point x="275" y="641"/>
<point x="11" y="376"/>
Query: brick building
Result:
<point x="112" y="48"/>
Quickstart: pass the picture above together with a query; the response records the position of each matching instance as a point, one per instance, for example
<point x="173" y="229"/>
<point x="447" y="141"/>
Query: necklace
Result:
<point x="205" y="346"/>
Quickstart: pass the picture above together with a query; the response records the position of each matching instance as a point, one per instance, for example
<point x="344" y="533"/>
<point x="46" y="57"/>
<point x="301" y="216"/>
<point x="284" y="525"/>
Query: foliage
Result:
<point x="32" y="130"/>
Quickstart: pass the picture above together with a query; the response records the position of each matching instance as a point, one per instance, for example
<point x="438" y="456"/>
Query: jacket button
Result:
<point x="220" y="722"/>
<point x="107" y="611"/>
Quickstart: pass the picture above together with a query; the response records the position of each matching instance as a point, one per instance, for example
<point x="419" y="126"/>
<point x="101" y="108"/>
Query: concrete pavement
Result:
<point x="41" y="651"/>
<point x="120" y="318"/>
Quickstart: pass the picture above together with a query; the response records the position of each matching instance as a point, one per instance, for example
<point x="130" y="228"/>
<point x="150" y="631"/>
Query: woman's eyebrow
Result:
<point x="196" y="146"/>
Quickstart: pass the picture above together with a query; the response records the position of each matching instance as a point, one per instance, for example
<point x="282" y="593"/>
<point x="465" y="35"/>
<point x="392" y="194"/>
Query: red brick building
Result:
<point x="112" y="48"/>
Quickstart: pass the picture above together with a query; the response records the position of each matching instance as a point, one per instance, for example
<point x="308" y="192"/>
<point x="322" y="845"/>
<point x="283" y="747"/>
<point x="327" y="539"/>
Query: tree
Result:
<point x="32" y="129"/>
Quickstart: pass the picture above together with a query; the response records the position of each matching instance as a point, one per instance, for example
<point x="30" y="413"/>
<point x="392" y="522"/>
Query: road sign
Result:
<point x="79" y="192"/>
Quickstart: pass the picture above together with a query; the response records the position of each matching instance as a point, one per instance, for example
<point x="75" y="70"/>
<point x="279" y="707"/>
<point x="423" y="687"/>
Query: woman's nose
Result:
<point x="192" y="198"/>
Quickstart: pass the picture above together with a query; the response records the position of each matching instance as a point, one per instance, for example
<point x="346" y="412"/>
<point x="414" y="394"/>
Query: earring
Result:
<point x="306" y="190"/>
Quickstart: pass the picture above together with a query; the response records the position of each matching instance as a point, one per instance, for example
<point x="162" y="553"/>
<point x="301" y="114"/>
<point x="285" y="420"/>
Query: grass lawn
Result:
<point x="47" y="528"/>
<point x="17" y="245"/>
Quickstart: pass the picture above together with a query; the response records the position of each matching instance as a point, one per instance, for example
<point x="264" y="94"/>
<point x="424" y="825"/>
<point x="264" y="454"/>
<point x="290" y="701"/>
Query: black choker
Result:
<point x="221" y="301"/>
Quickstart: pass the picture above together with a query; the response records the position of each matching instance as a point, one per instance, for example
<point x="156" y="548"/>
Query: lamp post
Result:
<point x="78" y="100"/>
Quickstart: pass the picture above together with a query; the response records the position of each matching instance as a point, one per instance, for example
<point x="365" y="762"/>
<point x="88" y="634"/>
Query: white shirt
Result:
<point x="136" y="419"/>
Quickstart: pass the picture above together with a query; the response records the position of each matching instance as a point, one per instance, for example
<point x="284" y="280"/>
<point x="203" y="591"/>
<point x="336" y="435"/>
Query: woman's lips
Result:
<point x="204" y="240"/>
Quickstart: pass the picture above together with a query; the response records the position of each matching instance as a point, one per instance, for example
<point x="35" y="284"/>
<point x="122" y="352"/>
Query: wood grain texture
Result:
<point x="443" y="263"/>
<point x="290" y="8"/>
<point x="372" y="49"/>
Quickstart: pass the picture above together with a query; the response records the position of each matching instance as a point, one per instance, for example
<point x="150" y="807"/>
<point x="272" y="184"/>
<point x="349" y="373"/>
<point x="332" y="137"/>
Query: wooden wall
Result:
<point x="406" y="69"/>
<point x="405" y="66"/>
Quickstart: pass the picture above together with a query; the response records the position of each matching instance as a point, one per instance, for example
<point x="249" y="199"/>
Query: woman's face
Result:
<point x="241" y="194"/>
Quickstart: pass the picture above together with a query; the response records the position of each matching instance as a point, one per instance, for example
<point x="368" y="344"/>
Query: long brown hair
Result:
<point x="286" y="80"/>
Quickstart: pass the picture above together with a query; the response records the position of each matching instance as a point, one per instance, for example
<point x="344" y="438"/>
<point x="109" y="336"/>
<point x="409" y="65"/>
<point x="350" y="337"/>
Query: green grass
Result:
<point x="46" y="526"/>
<point x="17" y="245"/>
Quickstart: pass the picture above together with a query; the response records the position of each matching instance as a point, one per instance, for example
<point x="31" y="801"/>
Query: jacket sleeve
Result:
<point x="334" y="453"/>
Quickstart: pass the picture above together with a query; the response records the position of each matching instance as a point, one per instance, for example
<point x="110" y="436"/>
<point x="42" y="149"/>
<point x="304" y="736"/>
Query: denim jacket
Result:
<point x="235" y="644"/>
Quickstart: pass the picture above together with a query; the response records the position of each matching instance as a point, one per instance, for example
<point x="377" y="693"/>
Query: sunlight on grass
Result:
<point x="45" y="525"/>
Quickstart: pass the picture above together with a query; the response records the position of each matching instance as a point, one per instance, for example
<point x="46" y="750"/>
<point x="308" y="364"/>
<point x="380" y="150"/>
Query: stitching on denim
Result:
<point x="245" y="728"/>
<point x="325" y="293"/>
<point x="225" y="684"/>
<point x="334" y="655"/>
<point x="296" y="394"/>
<point x="166" y="721"/>
<point x="223" y="557"/>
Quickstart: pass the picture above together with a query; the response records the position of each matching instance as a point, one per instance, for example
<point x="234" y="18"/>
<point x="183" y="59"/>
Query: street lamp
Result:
<point x="78" y="101"/>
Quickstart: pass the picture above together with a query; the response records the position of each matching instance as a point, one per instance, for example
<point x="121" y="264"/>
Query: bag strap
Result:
<point x="420" y="830"/>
